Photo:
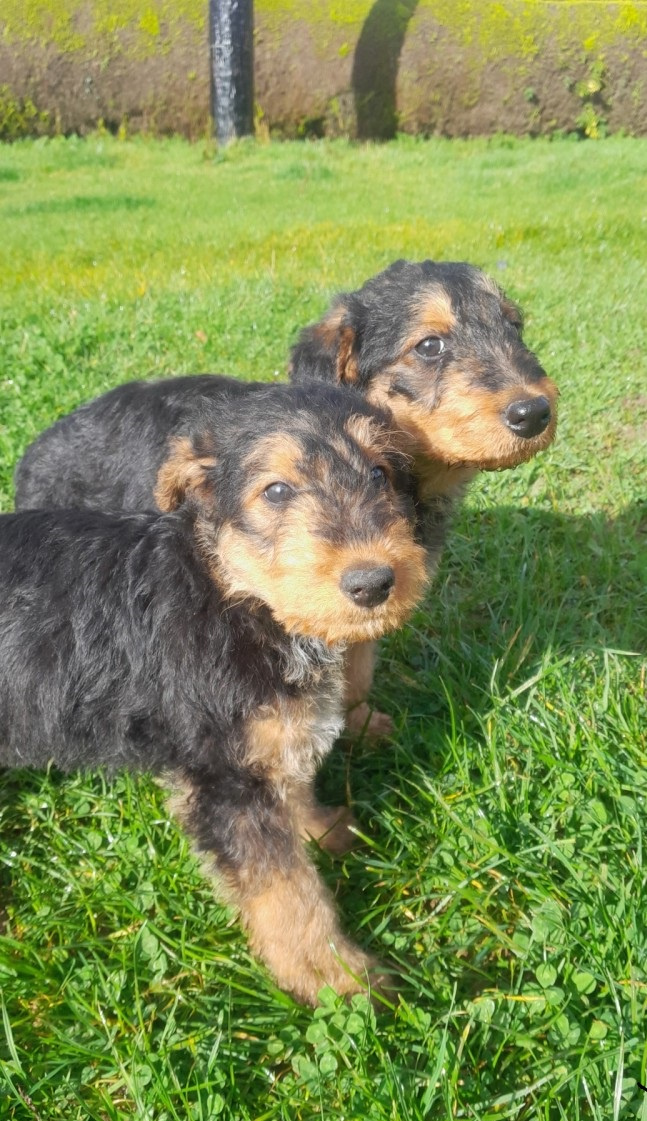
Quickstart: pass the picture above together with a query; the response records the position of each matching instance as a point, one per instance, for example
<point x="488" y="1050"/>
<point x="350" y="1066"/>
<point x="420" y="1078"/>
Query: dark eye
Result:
<point x="432" y="347"/>
<point x="378" y="475"/>
<point x="278" y="493"/>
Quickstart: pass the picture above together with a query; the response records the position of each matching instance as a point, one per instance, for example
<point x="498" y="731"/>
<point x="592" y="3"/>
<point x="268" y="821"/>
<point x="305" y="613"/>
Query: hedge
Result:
<point x="351" y="67"/>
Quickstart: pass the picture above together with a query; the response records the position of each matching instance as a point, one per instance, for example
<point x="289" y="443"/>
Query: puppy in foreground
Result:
<point x="206" y="644"/>
<point x="439" y="343"/>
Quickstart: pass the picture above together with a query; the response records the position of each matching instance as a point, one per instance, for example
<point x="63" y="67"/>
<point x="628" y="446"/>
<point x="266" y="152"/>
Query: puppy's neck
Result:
<point x="308" y="660"/>
<point x="441" y="480"/>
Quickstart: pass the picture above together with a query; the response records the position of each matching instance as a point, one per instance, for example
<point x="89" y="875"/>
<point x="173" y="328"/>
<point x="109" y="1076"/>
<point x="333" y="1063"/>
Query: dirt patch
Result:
<point x="638" y="404"/>
<point x="634" y="435"/>
<point x="633" y="432"/>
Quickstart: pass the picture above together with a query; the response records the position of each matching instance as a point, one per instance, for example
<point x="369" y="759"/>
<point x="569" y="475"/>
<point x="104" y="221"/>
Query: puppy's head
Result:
<point x="441" y="345"/>
<point x="303" y="503"/>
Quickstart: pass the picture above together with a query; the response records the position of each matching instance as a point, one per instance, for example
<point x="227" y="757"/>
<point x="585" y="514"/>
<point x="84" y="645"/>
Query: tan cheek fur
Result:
<point x="465" y="427"/>
<point x="299" y="581"/>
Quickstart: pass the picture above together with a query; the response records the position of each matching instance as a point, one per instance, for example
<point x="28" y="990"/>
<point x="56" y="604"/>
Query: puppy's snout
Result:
<point x="369" y="585"/>
<point x="528" y="417"/>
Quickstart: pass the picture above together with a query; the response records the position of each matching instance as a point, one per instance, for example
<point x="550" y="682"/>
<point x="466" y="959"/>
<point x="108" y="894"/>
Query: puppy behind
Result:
<point x="438" y="342"/>
<point x="441" y="345"/>
<point x="206" y="644"/>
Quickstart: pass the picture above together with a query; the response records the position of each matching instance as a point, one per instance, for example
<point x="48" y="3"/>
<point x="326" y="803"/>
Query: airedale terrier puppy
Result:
<point x="206" y="644"/>
<point x="441" y="344"/>
<point x="438" y="342"/>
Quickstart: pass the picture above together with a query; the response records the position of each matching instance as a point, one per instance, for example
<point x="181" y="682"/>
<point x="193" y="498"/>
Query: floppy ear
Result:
<point x="182" y="474"/>
<point x="512" y="312"/>
<point x="327" y="350"/>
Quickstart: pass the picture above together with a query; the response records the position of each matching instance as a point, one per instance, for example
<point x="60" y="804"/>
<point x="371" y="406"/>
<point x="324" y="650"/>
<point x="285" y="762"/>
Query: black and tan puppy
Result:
<point x="206" y="645"/>
<point x="441" y="345"/>
<point x="438" y="342"/>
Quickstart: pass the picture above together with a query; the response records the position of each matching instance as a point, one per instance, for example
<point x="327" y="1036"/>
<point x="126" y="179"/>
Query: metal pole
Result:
<point x="231" y="26"/>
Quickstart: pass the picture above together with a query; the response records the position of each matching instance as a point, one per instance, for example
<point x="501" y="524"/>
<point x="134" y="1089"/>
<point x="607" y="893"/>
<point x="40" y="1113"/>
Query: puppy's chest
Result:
<point x="433" y="516"/>
<point x="287" y="739"/>
<point x="439" y="489"/>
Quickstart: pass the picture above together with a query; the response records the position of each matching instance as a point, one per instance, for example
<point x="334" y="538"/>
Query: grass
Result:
<point x="503" y="867"/>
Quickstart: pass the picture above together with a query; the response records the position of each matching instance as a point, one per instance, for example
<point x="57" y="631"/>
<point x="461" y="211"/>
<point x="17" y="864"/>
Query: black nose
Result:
<point x="368" y="586"/>
<point x="528" y="418"/>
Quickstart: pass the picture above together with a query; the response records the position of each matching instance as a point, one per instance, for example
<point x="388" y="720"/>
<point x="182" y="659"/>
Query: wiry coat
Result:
<point x="117" y="649"/>
<point x="107" y="453"/>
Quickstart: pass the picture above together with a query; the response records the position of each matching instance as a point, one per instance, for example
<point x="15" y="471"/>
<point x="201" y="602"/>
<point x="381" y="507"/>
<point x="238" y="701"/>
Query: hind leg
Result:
<point x="332" y="827"/>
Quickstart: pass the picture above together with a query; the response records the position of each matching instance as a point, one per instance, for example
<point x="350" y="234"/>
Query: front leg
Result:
<point x="249" y="838"/>
<point x="359" y="666"/>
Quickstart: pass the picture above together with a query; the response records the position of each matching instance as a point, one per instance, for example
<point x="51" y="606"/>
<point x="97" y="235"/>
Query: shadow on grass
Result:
<point x="102" y="204"/>
<point x="516" y="586"/>
<point x="518" y="583"/>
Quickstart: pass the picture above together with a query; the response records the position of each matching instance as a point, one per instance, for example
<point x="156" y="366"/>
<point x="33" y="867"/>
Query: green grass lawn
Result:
<point x="504" y="867"/>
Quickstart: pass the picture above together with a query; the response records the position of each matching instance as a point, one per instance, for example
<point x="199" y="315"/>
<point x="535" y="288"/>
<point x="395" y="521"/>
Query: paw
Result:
<point x="293" y="928"/>
<point x="346" y="969"/>
<point x="357" y="972"/>
<point x="368" y="723"/>
<point x="332" y="829"/>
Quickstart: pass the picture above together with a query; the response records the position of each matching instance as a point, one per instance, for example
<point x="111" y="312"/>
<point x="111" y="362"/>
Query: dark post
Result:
<point x="231" y="26"/>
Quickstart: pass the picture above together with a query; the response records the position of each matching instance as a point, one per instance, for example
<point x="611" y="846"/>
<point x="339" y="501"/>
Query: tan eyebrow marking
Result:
<point x="435" y="317"/>
<point x="373" y="438"/>
<point x="277" y="458"/>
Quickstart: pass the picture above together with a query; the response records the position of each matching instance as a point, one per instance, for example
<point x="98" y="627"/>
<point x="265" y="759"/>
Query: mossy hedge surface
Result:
<point x="357" y="67"/>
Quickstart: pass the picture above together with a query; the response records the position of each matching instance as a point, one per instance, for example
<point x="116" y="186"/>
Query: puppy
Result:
<point x="206" y="644"/>
<point x="441" y="345"/>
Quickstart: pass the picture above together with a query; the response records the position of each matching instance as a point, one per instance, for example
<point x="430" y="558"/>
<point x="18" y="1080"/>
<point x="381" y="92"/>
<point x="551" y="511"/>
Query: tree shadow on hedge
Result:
<point x="375" y="68"/>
